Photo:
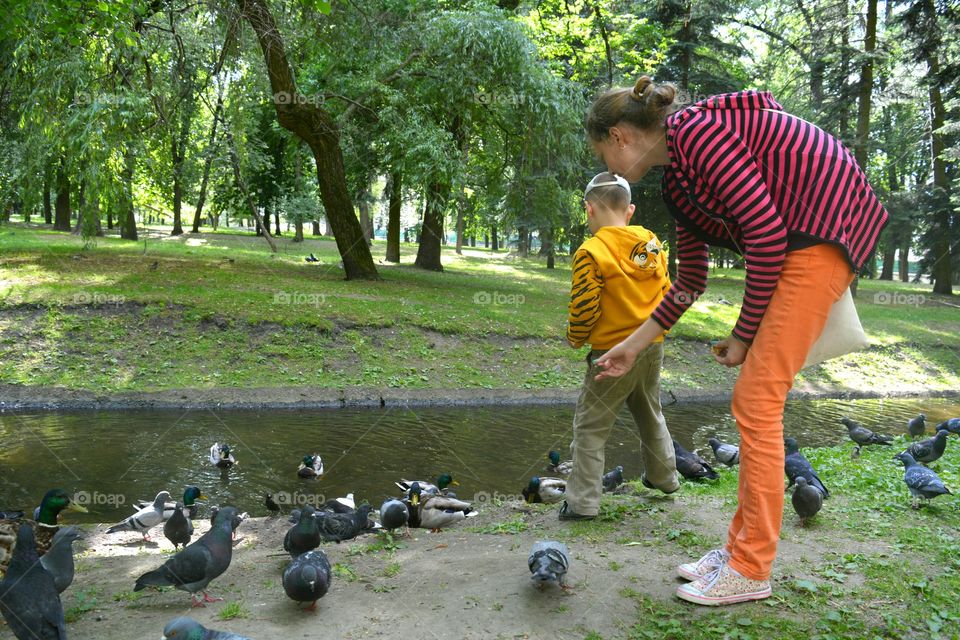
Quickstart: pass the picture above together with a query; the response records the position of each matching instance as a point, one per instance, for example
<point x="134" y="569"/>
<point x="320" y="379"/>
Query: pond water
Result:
<point x="111" y="459"/>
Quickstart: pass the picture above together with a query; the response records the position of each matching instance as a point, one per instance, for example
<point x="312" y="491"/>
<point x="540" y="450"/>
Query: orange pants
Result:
<point x="811" y="281"/>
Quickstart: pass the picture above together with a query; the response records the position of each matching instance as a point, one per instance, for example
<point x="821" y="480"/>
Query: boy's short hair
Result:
<point x="609" y="191"/>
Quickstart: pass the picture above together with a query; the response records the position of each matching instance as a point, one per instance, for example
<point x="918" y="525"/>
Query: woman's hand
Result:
<point x="617" y="361"/>
<point x="730" y="352"/>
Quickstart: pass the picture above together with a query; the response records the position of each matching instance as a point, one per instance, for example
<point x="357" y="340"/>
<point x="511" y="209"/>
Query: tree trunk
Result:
<point x="276" y="220"/>
<point x="127" y="219"/>
<point x="494" y="241"/>
<point x="235" y="161"/>
<point x="905" y="260"/>
<point x="889" y="257"/>
<point x="393" y="217"/>
<point x="176" y="154"/>
<point x="47" y="204"/>
<point x="366" y="224"/>
<point x="207" y="162"/>
<point x="62" y="219"/>
<point x="860" y="149"/>
<point x="315" y="227"/>
<point x="319" y="130"/>
<point x="431" y="232"/>
<point x="460" y="223"/>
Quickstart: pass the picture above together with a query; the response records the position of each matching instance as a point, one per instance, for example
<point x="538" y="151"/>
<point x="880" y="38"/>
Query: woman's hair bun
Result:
<point x="655" y="95"/>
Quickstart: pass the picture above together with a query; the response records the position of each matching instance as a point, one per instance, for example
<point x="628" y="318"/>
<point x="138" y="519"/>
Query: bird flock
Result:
<point x="36" y="556"/>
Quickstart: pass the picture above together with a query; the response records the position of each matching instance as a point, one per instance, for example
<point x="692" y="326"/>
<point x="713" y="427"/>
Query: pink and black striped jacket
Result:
<point x="746" y="175"/>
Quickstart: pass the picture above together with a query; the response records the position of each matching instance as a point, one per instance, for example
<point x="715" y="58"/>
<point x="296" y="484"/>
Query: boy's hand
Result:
<point x="730" y="352"/>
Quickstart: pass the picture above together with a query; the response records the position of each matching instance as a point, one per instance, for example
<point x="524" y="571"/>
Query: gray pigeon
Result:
<point x="194" y="567"/>
<point x="337" y="527"/>
<point x="917" y="426"/>
<point x="796" y="466"/>
<point x="29" y="600"/>
<point x="922" y="482"/>
<point x="307" y="578"/>
<point x="691" y="466"/>
<point x="613" y="479"/>
<point x="728" y="454"/>
<point x="235" y="521"/>
<point x="178" y="528"/>
<point x="952" y="425"/>
<point x="144" y="519"/>
<point x="393" y="514"/>
<point x="59" y="559"/>
<point x="190" y="629"/>
<point x="863" y="436"/>
<point x="549" y="562"/>
<point x="303" y="536"/>
<point x="931" y="449"/>
<point x="806" y="499"/>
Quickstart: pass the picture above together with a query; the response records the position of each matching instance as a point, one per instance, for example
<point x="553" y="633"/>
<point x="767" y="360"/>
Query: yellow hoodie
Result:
<point x="619" y="278"/>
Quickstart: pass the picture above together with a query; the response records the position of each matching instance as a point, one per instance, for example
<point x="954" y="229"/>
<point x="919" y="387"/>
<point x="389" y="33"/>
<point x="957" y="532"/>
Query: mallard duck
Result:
<point x="444" y="480"/>
<point x="545" y="490"/>
<point x="435" y="512"/>
<point x="44" y="524"/>
<point x="190" y="496"/>
<point x="144" y="519"/>
<point x="221" y="457"/>
<point x="311" y="467"/>
<point x="564" y="468"/>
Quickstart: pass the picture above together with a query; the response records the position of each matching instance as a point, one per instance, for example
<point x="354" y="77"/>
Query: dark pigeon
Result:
<point x="952" y="426"/>
<point x="307" y="577"/>
<point x="178" y="529"/>
<point x="59" y="559"/>
<point x="235" y="521"/>
<point x="796" y="466"/>
<point x="692" y="466"/>
<point x="271" y="504"/>
<point x="549" y="562"/>
<point x="193" y="568"/>
<point x="931" y="449"/>
<point x="337" y="527"/>
<point x="728" y="454"/>
<point x="917" y="426"/>
<point x="613" y="479"/>
<point x="394" y="514"/>
<point x="190" y="629"/>
<point x="806" y="499"/>
<point x="303" y="536"/>
<point x="922" y="482"/>
<point x="29" y="600"/>
<point x="863" y="436"/>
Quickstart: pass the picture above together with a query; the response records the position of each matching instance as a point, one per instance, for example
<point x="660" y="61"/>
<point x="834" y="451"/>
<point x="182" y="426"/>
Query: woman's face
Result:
<point x="626" y="151"/>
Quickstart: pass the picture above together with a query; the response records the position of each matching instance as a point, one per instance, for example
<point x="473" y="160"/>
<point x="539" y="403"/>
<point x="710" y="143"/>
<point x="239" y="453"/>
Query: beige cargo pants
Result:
<point x="597" y="409"/>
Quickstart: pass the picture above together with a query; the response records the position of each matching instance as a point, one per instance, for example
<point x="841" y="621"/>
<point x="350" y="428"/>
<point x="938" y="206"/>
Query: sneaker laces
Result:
<point x="715" y="556"/>
<point x="711" y="578"/>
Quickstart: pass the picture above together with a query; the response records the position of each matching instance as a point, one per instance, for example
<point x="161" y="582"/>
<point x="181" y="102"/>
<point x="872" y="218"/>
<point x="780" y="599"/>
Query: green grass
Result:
<point x="218" y="310"/>
<point x="232" y="610"/>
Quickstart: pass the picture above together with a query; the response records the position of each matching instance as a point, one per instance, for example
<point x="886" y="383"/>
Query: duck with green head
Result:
<point x="221" y="456"/>
<point x="311" y="467"/>
<point x="433" y="511"/>
<point x="444" y="481"/>
<point x="545" y="490"/>
<point x="190" y="496"/>
<point x="564" y="468"/>
<point x="44" y="524"/>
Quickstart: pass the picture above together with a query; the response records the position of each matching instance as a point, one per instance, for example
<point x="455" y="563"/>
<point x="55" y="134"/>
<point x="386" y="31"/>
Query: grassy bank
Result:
<point x="218" y="310"/>
<point x="868" y="566"/>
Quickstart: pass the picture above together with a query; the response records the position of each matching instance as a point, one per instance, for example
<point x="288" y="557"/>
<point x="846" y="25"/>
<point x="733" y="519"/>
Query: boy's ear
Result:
<point x="630" y="210"/>
<point x="589" y="206"/>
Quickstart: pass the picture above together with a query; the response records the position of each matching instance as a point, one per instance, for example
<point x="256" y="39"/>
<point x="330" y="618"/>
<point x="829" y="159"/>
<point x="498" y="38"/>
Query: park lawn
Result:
<point x="219" y="310"/>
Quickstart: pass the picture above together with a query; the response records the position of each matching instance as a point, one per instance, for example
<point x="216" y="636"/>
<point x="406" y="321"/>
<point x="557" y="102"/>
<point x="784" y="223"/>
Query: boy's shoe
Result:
<point x="709" y="563"/>
<point x="567" y="514"/>
<point x="724" y="586"/>
<point x="649" y="485"/>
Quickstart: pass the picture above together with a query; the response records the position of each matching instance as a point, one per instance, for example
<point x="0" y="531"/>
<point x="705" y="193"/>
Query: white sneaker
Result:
<point x="724" y="586"/>
<point x="707" y="564"/>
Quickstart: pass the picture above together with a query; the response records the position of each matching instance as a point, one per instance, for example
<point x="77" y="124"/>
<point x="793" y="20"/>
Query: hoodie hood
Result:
<point x="635" y="249"/>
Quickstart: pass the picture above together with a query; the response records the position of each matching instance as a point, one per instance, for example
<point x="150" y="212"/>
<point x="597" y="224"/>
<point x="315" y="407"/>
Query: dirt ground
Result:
<point x="464" y="582"/>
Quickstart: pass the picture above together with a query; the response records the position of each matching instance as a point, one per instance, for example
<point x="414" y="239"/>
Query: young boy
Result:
<point x="619" y="278"/>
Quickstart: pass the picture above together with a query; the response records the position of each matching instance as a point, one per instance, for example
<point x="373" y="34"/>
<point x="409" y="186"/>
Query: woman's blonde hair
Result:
<point x="645" y="106"/>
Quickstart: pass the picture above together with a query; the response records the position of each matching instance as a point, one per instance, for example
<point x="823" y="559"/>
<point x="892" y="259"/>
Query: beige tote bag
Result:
<point x="842" y="334"/>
